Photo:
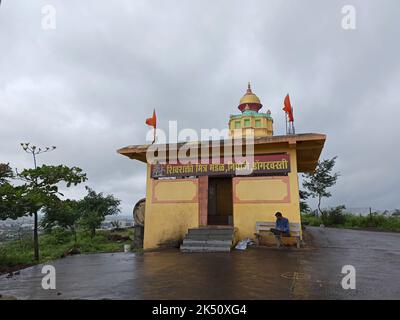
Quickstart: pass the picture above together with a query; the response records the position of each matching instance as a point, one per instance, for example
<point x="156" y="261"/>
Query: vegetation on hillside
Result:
<point x="69" y="225"/>
<point x="316" y="185"/>
<point x="338" y="217"/>
<point x="59" y="243"/>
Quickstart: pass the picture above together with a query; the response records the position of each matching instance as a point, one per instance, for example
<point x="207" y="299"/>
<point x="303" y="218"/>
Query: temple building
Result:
<point x="197" y="203"/>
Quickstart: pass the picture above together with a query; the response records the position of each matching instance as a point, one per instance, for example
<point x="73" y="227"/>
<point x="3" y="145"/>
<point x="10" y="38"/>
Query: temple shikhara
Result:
<point x="261" y="124"/>
<point x="210" y="205"/>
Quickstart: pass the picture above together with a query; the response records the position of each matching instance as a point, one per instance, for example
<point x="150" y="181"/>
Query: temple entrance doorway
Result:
<point x="220" y="201"/>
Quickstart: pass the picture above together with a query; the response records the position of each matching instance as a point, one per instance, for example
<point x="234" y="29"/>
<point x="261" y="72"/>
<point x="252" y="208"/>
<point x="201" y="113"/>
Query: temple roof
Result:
<point x="308" y="146"/>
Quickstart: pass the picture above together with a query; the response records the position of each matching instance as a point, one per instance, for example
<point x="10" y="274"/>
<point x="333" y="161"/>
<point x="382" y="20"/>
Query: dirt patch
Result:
<point x="118" y="238"/>
<point x="14" y="269"/>
<point x="171" y="243"/>
<point x="7" y="297"/>
<point x="307" y="239"/>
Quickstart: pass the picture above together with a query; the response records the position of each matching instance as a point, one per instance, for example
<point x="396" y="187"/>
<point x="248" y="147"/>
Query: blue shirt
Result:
<point x="282" y="225"/>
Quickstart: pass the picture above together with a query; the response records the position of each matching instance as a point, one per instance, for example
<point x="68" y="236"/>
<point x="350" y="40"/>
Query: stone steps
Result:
<point x="215" y="243"/>
<point x="205" y="237"/>
<point x="212" y="239"/>
<point x="212" y="232"/>
<point x="205" y="249"/>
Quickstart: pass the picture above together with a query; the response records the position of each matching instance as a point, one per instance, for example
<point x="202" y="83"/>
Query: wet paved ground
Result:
<point x="257" y="273"/>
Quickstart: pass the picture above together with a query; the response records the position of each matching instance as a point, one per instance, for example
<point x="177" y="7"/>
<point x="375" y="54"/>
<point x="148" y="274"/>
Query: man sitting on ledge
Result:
<point x="281" y="226"/>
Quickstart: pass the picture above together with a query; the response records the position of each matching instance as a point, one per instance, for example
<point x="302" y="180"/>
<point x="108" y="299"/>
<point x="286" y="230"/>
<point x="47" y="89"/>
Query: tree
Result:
<point x="11" y="206"/>
<point x="94" y="207"/>
<point x="64" y="214"/>
<point x="6" y="173"/>
<point x="39" y="191"/>
<point x="334" y="216"/>
<point x="116" y="224"/>
<point x="12" y="201"/>
<point x="304" y="195"/>
<point x="319" y="181"/>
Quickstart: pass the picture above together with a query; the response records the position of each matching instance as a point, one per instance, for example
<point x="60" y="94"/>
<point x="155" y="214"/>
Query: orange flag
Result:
<point x="153" y="120"/>
<point x="288" y="108"/>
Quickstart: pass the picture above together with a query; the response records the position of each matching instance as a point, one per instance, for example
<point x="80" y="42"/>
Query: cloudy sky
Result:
<point x="88" y="85"/>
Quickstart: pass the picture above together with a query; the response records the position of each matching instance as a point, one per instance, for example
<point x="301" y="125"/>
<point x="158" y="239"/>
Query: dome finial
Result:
<point x="250" y="100"/>
<point x="249" y="87"/>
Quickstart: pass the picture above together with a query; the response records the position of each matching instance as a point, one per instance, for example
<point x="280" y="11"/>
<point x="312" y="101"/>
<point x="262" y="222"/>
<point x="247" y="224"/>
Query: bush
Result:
<point x="59" y="236"/>
<point x="334" y="216"/>
<point x="16" y="252"/>
<point x="352" y="221"/>
<point x="311" y="219"/>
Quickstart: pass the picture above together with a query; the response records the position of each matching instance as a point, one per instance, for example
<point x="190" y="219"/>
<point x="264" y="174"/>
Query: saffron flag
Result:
<point x="153" y="120"/>
<point x="288" y="108"/>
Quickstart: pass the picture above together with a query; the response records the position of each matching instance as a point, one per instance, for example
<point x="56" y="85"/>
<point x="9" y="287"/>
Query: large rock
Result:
<point x="139" y="218"/>
<point x="138" y="237"/>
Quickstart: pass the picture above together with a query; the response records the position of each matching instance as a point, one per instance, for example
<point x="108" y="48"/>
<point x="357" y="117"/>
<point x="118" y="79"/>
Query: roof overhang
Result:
<point x="308" y="146"/>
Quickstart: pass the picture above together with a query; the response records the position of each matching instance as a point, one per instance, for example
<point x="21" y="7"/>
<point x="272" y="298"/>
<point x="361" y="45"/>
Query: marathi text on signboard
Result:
<point x="265" y="164"/>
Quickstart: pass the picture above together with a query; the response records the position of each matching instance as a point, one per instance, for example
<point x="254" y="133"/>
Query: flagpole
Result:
<point x="155" y="127"/>
<point x="293" y="131"/>
<point x="286" y="122"/>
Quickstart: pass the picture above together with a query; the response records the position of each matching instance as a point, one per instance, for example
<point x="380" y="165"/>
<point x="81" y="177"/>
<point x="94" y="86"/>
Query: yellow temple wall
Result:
<point x="259" y="198"/>
<point x="171" y="209"/>
<point x="172" y="205"/>
<point x="266" y="128"/>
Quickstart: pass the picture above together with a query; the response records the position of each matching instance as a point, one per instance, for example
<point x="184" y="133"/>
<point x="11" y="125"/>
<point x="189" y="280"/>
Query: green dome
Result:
<point x="251" y="113"/>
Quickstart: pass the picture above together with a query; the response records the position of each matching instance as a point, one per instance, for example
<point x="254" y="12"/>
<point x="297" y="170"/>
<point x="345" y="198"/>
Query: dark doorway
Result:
<point x="220" y="206"/>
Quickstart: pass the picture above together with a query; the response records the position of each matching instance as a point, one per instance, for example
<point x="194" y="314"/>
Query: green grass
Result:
<point x="337" y="218"/>
<point x="56" y="245"/>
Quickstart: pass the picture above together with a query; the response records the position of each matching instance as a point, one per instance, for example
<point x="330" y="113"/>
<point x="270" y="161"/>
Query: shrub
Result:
<point x="58" y="236"/>
<point x="311" y="219"/>
<point x="334" y="216"/>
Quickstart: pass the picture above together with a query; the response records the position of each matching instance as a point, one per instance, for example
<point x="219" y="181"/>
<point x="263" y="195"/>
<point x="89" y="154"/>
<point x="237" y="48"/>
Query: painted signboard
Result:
<point x="263" y="164"/>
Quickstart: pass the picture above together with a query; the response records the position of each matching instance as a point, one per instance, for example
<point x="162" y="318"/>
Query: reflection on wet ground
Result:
<point x="257" y="273"/>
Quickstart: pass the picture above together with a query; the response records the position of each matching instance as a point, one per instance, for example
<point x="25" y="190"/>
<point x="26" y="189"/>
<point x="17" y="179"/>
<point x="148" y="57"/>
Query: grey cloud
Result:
<point x="88" y="86"/>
